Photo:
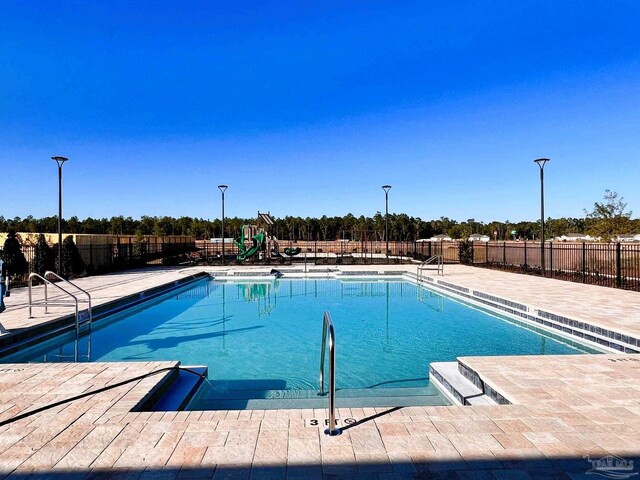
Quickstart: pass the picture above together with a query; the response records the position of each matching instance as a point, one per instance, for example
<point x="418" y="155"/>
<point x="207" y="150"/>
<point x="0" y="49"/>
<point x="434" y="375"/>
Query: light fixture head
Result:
<point x="222" y="188"/>
<point x="60" y="160"/>
<point x="541" y="162"/>
<point x="386" y="188"/>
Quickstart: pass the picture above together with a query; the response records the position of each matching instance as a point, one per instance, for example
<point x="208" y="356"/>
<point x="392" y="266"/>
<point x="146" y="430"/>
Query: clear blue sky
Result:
<point x="307" y="108"/>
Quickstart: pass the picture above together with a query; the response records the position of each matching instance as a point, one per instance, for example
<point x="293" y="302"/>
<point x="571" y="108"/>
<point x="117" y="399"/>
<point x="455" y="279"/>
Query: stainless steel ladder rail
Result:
<point x="327" y="329"/>
<point x="436" y="261"/>
<point x="46" y="302"/>
<point x="74" y="302"/>
<point x="49" y="273"/>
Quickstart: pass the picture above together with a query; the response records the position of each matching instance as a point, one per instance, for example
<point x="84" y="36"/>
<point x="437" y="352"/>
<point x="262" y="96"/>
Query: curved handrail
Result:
<point x="437" y="259"/>
<point x="49" y="273"/>
<point x="327" y="328"/>
<point x="33" y="275"/>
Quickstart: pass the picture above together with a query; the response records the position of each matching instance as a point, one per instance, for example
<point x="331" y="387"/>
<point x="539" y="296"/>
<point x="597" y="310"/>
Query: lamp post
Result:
<point x="222" y="189"/>
<point x="386" y="189"/>
<point x="541" y="162"/>
<point x="60" y="161"/>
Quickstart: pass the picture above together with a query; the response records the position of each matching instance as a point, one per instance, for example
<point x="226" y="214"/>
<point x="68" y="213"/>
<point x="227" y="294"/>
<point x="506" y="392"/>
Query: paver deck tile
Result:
<point x="87" y="450"/>
<point x="373" y="463"/>
<point x="302" y="451"/>
<point x="513" y="440"/>
<point x="366" y="441"/>
<point x="338" y="459"/>
<point x="421" y="426"/>
<point x="186" y="455"/>
<point x="270" y="451"/>
<point x="444" y="427"/>
<point x="226" y="455"/>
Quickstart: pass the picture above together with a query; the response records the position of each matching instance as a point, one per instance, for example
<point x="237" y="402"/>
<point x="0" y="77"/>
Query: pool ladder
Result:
<point x="435" y="262"/>
<point x="328" y="330"/>
<point x="81" y="318"/>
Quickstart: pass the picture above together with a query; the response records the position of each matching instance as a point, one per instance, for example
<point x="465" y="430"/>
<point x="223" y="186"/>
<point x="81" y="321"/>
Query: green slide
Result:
<point x="244" y="252"/>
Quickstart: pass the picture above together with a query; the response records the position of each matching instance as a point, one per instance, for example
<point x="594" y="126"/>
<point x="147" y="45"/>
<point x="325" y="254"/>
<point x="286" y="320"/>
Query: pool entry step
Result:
<point x="182" y="390"/>
<point x="446" y="376"/>
<point x="252" y="399"/>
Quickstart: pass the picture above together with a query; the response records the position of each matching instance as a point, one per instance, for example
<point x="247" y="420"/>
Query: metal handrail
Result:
<point x="437" y="259"/>
<point x="327" y="327"/>
<point x="33" y="275"/>
<point x="46" y="302"/>
<point x="55" y="275"/>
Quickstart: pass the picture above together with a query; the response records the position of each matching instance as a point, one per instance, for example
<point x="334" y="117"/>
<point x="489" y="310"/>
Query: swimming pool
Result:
<point x="261" y="339"/>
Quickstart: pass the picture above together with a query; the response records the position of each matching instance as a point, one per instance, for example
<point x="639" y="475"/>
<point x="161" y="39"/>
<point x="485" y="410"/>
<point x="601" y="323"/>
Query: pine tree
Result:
<point x="15" y="263"/>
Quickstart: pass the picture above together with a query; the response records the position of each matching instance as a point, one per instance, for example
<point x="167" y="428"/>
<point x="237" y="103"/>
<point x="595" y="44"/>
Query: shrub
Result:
<point x="466" y="252"/>
<point x="43" y="256"/>
<point x="72" y="263"/>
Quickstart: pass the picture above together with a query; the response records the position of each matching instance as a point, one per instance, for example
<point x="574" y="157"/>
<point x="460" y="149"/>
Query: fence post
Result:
<point x="525" y="255"/>
<point x="486" y="253"/>
<point x="551" y="259"/>
<point x="618" y="265"/>
<point x="584" y="262"/>
<point x="504" y="254"/>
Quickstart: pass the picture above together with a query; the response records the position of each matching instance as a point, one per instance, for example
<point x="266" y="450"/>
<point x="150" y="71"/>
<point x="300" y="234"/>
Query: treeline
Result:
<point x="401" y="227"/>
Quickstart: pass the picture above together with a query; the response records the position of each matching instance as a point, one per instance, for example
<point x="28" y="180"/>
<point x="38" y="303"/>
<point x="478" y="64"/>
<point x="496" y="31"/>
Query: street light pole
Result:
<point x="60" y="161"/>
<point x="222" y="189"/>
<point x="541" y="162"/>
<point x="386" y="189"/>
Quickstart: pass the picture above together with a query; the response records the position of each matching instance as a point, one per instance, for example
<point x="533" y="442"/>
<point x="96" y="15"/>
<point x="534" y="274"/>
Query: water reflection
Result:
<point x="77" y="350"/>
<point x="263" y="293"/>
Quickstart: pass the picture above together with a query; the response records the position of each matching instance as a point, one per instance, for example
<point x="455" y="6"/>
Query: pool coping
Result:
<point x="583" y="332"/>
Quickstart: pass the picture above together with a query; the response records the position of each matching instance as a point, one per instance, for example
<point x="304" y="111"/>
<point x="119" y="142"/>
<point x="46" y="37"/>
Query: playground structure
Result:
<point x="255" y="240"/>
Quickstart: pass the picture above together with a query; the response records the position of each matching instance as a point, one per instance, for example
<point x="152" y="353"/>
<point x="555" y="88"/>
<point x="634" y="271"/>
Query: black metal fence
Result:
<point x="613" y="264"/>
<point x="607" y="264"/>
<point x="352" y="252"/>
<point x="103" y="258"/>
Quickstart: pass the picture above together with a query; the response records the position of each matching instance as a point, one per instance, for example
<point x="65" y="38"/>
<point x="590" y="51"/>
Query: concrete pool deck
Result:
<point x="562" y="408"/>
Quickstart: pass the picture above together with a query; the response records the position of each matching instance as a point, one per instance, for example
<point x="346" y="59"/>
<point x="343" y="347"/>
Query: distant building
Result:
<point x="439" y="238"/>
<point x="219" y="240"/>
<point x="627" y="238"/>
<point x="479" y="237"/>
<point x="577" y="237"/>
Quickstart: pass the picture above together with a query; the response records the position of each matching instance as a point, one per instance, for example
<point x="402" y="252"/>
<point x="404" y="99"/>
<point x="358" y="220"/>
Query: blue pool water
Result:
<point x="263" y="338"/>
